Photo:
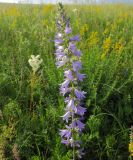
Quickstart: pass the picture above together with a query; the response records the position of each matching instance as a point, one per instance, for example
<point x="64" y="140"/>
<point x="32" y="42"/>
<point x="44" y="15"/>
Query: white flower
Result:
<point x="35" y="62"/>
<point x="75" y="10"/>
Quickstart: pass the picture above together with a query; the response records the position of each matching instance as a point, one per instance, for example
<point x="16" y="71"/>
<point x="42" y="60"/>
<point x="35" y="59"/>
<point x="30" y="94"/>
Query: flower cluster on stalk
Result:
<point x="69" y="57"/>
<point x="35" y="62"/>
<point x="131" y="142"/>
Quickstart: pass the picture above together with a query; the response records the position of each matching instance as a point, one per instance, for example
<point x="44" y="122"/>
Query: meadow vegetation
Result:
<point x="31" y="106"/>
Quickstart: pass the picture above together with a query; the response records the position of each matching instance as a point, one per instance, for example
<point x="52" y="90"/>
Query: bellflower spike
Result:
<point x="68" y="57"/>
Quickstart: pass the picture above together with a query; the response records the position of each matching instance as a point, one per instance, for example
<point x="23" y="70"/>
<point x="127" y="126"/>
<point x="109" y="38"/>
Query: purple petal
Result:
<point x="80" y="125"/>
<point x="58" y="41"/>
<point x="59" y="55"/>
<point x="76" y="52"/>
<point x="72" y="46"/>
<point x="62" y="132"/>
<point x="59" y="48"/>
<point x="67" y="99"/>
<point x="64" y="90"/>
<point x="71" y="107"/>
<point x="81" y="110"/>
<point x="68" y="74"/>
<point x="68" y="30"/>
<point x="77" y="65"/>
<point x="68" y="22"/>
<point x="65" y="83"/>
<point x="66" y="116"/>
<point x="65" y="133"/>
<point x="66" y="142"/>
<point x="80" y="94"/>
<point x="58" y="24"/>
<point x="73" y="125"/>
<point x="63" y="17"/>
<point x="80" y="76"/>
<point x="75" y="38"/>
<point x="60" y="63"/>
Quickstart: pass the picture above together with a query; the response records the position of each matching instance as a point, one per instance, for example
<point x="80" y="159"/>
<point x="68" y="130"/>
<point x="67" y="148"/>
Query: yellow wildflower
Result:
<point x="118" y="46"/>
<point x="93" y="40"/>
<point x="114" y="27"/>
<point x="107" y="45"/>
<point x="12" y="11"/>
<point x="84" y="29"/>
<point x="131" y="142"/>
<point x="47" y="8"/>
<point x="131" y="148"/>
<point x="105" y="31"/>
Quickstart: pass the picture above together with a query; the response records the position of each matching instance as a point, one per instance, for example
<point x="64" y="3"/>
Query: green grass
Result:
<point x="107" y="46"/>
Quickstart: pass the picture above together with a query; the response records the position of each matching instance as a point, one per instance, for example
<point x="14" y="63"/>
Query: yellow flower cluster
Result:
<point x="131" y="148"/>
<point x="105" y="32"/>
<point x="107" y="45"/>
<point x="114" y="27"/>
<point x="47" y="8"/>
<point x="118" y="47"/>
<point x="84" y="29"/>
<point x="131" y="142"/>
<point x="12" y="11"/>
<point x="93" y="40"/>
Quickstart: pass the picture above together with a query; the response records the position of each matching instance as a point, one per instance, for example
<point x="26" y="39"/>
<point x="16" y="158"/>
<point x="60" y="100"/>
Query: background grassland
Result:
<point x="107" y="45"/>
